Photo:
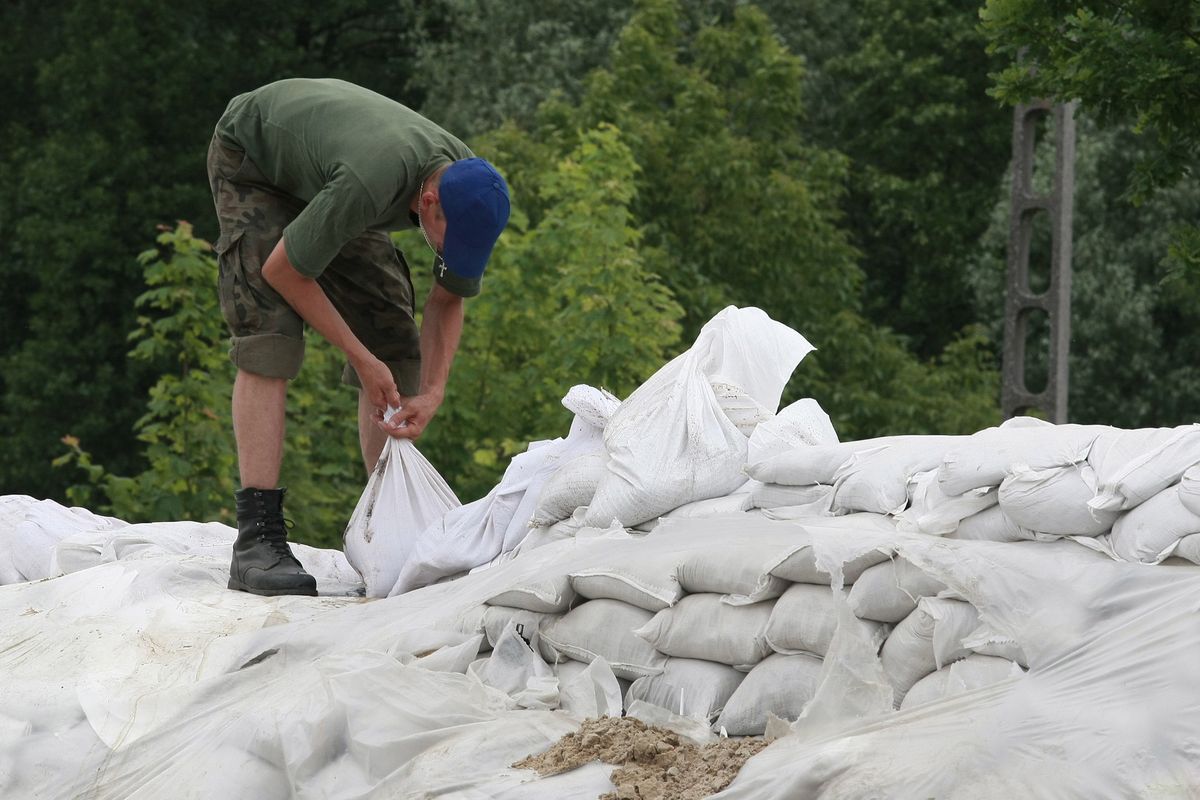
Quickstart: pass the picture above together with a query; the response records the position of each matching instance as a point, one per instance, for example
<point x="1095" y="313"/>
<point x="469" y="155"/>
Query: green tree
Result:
<point x="746" y="210"/>
<point x="1134" y="63"/>
<point x="905" y="100"/>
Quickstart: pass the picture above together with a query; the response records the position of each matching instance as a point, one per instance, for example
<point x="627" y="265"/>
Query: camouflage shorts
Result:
<point x="368" y="282"/>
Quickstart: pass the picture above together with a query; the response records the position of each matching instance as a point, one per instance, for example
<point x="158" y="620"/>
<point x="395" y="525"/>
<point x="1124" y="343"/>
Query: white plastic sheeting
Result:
<point x="144" y="677"/>
<point x="1109" y="708"/>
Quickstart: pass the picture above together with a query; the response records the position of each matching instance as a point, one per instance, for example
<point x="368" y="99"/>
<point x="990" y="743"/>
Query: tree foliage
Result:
<point x="1133" y="61"/>
<point x="746" y="210"/>
<point x="905" y="100"/>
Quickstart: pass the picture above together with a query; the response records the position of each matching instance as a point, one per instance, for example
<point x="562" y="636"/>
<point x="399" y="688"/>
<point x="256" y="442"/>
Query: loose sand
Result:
<point x="652" y="763"/>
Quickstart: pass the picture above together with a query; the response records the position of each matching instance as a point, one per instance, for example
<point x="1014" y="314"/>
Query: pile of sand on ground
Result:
<point x="653" y="763"/>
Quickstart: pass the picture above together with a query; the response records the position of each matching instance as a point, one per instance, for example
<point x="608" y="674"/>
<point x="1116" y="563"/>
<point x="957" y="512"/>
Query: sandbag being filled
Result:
<point x="404" y="495"/>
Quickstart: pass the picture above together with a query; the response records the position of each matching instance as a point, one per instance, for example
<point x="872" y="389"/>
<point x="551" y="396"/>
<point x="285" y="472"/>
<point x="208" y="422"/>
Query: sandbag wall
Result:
<point x="730" y="619"/>
<point x="1132" y="494"/>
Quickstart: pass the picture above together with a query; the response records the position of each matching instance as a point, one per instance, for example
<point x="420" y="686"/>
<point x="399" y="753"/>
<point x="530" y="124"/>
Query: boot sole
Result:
<point x="299" y="590"/>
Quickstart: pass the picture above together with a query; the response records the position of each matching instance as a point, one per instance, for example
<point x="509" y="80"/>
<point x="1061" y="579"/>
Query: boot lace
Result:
<point x="273" y="531"/>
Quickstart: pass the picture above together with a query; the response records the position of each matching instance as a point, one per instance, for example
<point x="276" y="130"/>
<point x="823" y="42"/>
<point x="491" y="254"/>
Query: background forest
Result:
<point x="842" y="166"/>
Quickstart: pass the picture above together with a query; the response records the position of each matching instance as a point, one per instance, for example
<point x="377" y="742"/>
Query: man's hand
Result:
<point x="378" y="385"/>
<point x="414" y="414"/>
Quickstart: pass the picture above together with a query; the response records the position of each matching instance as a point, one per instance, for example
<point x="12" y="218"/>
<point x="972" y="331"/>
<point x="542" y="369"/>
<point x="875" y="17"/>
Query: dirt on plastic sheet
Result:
<point x="652" y="763"/>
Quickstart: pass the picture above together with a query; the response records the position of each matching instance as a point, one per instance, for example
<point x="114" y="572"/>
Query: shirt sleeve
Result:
<point x="340" y="211"/>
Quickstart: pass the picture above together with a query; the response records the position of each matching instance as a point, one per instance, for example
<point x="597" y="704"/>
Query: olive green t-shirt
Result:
<point x="356" y="158"/>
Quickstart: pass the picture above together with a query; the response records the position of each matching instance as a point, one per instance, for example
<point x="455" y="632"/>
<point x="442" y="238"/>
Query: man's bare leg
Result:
<point x="259" y="411"/>
<point x="370" y="438"/>
<point x="262" y="561"/>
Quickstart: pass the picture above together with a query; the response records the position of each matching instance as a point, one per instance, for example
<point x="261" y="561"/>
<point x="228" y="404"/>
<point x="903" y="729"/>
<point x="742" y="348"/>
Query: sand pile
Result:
<point x="653" y="763"/>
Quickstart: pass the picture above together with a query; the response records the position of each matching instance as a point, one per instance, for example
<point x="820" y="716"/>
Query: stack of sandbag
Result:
<point x="722" y="619"/>
<point x="931" y="633"/>
<point x="1123" y="492"/>
<point x="889" y="475"/>
<point x="1127" y="493"/>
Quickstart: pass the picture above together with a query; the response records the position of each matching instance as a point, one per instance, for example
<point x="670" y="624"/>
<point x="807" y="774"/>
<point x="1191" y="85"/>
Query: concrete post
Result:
<point x="1020" y="299"/>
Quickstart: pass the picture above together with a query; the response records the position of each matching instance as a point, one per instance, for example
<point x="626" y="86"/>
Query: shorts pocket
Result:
<point x="233" y="289"/>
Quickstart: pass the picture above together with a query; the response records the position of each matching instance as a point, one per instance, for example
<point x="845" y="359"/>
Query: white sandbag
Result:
<point x="806" y="465"/>
<point x="571" y="487"/>
<point x="970" y="673"/>
<point x="1188" y="548"/>
<point x="774" y="495"/>
<point x="1054" y="501"/>
<point x="648" y="583"/>
<point x="990" y="525"/>
<point x="802" y="424"/>
<point x="670" y="442"/>
<point x="527" y="624"/>
<point x="932" y="511"/>
<point x="551" y="594"/>
<point x="605" y="629"/>
<point x="688" y="687"/>
<point x="1133" y="466"/>
<point x="1189" y="489"/>
<point x="931" y="636"/>
<point x="888" y="592"/>
<point x="987" y="642"/>
<point x="1151" y="532"/>
<point x="569" y="672"/>
<point x="805" y="619"/>
<point x="780" y="685"/>
<point x="701" y="626"/>
<point x="590" y="404"/>
<point x="739" y="569"/>
<point x="847" y="545"/>
<point x="877" y="481"/>
<point x="404" y="494"/>
<point x="582" y="463"/>
<point x="476" y="534"/>
<point x="729" y="505"/>
<point x="985" y="458"/>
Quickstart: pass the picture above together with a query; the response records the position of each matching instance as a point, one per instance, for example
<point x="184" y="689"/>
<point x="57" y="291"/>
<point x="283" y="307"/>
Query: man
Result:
<point x="308" y="176"/>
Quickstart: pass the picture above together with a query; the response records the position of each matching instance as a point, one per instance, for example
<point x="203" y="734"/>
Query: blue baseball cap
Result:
<point x="475" y="202"/>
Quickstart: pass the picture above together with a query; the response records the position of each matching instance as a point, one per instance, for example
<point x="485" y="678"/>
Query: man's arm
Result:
<point x="309" y="300"/>
<point x="441" y="328"/>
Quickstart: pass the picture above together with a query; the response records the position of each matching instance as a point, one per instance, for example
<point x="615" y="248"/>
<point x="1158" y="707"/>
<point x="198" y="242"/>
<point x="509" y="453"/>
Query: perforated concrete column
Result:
<point x="1021" y="300"/>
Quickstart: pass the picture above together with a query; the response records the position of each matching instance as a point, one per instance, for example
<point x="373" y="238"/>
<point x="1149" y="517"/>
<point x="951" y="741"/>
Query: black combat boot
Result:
<point x="262" y="561"/>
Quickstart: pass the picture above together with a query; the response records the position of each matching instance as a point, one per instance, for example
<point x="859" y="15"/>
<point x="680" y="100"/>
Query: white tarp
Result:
<point x="1109" y="708"/>
<point x="144" y="677"/>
